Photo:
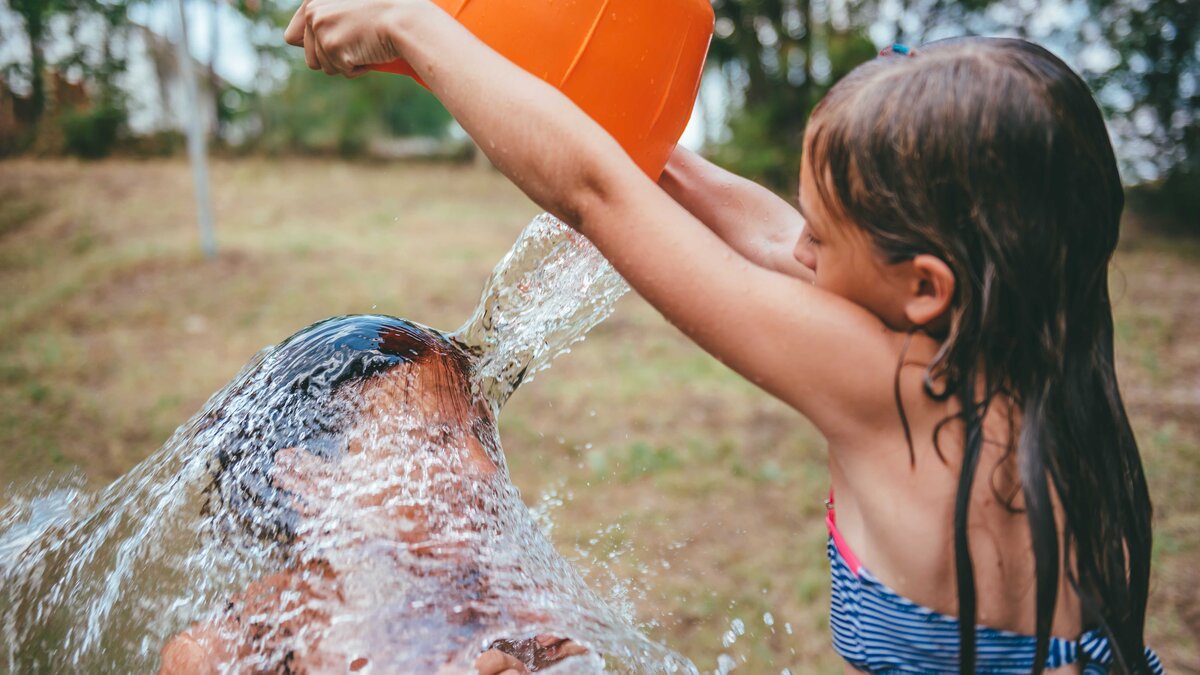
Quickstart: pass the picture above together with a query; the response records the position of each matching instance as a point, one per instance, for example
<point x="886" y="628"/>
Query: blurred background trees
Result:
<point x="74" y="80"/>
<point x="1154" y="96"/>
<point x="778" y="58"/>
<point x="88" y="77"/>
<point x="313" y="112"/>
<point x="1142" y="58"/>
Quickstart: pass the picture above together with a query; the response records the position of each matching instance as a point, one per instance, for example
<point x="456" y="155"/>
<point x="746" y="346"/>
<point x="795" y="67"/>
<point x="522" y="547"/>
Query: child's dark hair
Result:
<point x="289" y="401"/>
<point x="992" y="155"/>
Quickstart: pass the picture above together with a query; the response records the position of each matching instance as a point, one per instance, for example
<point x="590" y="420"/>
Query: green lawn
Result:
<point x="680" y="490"/>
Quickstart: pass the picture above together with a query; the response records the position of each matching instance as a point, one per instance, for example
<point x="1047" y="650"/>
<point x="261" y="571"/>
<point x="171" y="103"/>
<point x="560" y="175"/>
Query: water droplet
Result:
<point x="768" y="619"/>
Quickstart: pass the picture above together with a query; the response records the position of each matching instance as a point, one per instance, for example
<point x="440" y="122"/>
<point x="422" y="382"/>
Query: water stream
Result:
<point x="342" y="504"/>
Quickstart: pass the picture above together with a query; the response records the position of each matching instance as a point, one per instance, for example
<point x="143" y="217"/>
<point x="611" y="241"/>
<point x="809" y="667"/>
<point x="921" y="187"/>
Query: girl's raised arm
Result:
<point x="754" y="221"/>
<point x="820" y="353"/>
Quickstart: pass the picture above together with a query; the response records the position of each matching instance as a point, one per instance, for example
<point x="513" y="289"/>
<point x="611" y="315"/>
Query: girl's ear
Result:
<point x="931" y="292"/>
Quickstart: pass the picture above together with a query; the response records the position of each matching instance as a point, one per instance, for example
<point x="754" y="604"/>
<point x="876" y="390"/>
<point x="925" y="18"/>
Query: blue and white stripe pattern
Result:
<point x="877" y="630"/>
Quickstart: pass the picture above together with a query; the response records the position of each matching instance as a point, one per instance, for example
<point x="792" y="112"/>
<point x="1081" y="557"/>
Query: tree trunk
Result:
<point x="214" y="82"/>
<point x="38" y="80"/>
<point x="33" y="14"/>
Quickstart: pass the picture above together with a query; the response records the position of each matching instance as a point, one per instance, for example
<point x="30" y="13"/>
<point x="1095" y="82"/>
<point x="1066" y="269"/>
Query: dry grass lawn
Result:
<point x="679" y="489"/>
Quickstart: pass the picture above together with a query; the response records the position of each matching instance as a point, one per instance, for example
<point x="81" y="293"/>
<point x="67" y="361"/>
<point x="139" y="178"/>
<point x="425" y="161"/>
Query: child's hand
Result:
<point x="517" y="658"/>
<point x="184" y="653"/>
<point x="496" y="662"/>
<point x="344" y="37"/>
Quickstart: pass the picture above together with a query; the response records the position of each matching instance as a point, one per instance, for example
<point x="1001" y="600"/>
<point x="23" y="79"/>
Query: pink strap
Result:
<point x="838" y="541"/>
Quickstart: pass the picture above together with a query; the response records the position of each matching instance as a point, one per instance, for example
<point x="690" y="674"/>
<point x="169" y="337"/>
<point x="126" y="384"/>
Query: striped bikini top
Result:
<point x="877" y="630"/>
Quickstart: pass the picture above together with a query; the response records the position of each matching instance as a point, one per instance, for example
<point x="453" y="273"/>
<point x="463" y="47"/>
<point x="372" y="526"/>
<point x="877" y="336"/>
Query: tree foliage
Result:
<point x="308" y="111"/>
<point x="781" y="56"/>
<point x="1157" y="109"/>
<point x="778" y="57"/>
<point x="1142" y="57"/>
<point x="87" y="39"/>
<point x="287" y="108"/>
<point x="322" y="114"/>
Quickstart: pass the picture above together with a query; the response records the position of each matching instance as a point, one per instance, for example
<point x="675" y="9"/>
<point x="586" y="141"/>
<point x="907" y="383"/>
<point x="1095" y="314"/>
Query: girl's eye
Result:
<point x="811" y="239"/>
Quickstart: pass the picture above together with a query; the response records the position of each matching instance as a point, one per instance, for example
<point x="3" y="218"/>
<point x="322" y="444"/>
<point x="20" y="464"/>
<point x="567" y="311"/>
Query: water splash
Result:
<point x="547" y="292"/>
<point x="344" y="503"/>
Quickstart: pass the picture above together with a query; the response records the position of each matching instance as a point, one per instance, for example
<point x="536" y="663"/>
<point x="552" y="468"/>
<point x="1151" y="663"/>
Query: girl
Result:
<point x="946" y="323"/>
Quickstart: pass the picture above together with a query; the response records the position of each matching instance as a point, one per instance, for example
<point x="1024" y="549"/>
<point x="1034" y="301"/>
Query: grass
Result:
<point x="680" y="490"/>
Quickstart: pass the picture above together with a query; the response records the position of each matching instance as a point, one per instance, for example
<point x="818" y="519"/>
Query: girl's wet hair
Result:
<point x="291" y="402"/>
<point x="992" y="155"/>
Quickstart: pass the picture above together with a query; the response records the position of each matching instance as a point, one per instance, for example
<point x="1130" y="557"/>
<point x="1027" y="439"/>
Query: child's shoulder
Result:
<point x="876" y="381"/>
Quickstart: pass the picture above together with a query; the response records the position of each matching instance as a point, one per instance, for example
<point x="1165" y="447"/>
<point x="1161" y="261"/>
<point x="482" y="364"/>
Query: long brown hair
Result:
<point x="992" y="155"/>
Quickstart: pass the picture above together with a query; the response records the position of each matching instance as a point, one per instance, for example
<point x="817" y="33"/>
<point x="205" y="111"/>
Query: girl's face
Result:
<point x="843" y="259"/>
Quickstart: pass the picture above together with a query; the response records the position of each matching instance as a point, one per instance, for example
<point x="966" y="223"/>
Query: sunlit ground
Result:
<point x="684" y="491"/>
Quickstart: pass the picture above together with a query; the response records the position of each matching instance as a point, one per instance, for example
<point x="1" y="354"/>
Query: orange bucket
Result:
<point x="633" y="65"/>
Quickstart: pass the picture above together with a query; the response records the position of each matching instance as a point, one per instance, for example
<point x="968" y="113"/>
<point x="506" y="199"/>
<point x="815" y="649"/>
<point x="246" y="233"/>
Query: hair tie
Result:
<point x="897" y="48"/>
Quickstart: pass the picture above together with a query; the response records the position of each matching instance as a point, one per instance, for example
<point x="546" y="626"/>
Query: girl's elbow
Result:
<point x="593" y="195"/>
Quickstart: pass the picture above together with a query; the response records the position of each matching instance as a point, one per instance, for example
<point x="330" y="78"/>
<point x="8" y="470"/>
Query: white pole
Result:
<point x="195" y="135"/>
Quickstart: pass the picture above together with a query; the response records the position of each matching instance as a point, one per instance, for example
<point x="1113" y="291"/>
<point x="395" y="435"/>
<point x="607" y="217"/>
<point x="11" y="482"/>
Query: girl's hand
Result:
<point x="344" y="37"/>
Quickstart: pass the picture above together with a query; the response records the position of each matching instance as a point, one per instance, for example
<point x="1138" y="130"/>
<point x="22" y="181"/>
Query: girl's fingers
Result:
<point x="356" y="72"/>
<point x="294" y="35"/>
<point x="338" y="37"/>
<point x="310" y="48"/>
<point x="327" y="63"/>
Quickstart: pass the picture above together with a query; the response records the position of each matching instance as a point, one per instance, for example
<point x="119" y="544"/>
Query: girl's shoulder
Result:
<point x="884" y="393"/>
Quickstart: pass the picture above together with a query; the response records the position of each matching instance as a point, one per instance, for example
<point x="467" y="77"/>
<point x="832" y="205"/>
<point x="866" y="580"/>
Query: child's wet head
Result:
<point x="982" y="163"/>
<point x="364" y="391"/>
<point x="846" y="262"/>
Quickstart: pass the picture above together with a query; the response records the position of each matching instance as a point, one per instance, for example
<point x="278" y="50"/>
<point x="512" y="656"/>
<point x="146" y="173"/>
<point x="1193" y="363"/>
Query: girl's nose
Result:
<point x="805" y="254"/>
